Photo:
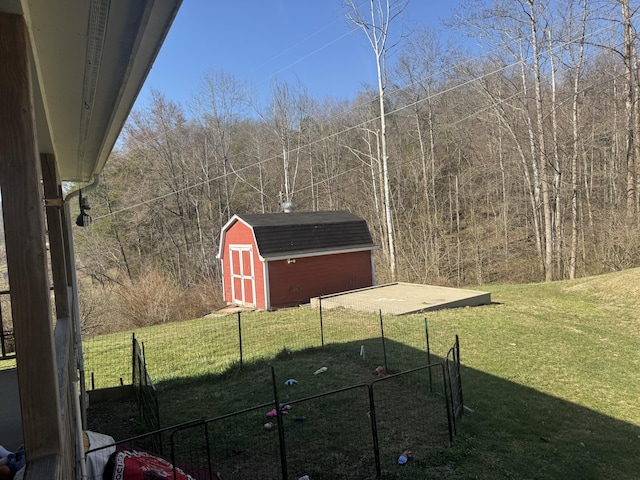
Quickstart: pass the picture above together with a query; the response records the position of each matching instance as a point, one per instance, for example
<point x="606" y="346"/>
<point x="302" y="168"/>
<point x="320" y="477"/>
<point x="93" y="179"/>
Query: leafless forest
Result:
<point x="516" y="165"/>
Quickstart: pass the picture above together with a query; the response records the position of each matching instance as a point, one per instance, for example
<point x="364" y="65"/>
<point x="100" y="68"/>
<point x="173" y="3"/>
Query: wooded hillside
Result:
<point x="516" y="165"/>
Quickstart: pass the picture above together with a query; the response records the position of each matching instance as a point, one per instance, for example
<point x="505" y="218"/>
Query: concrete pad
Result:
<point x="405" y="298"/>
<point x="229" y="309"/>
<point x="10" y="418"/>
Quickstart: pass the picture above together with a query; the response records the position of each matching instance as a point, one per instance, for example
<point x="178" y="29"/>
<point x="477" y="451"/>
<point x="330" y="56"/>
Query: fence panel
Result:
<point x="405" y="342"/>
<point x="409" y="416"/>
<point x="142" y="445"/>
<point x="330" y="436"/>
<point x="343" y="325"/>
<point x="235" y="446"/>
<point x="291" y="329"/>
<point x="358" y="329"/>
<point x="146" y="394"/>
<point x="219" y="352"/>
<point x="190" y="449"/>
<point x="354" y="432"/>
<point x="107" y="359"/>
<point x="439" y="343"/>
<point x="452" y="366"/>
<point x="251" y="336"/>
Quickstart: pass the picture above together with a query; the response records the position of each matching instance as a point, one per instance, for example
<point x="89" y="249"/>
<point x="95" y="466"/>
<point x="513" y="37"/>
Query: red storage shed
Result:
<point x="281" y="259"/>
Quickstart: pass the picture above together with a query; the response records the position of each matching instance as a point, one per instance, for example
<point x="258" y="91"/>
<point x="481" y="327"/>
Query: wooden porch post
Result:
<point x="65" y="284"/>
<point x="55" y="222"/>
<point x="22" y="203"/>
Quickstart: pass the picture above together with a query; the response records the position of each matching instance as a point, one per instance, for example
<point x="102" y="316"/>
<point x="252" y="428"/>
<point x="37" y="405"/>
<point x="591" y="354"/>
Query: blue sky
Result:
<point x="306" y="42"/>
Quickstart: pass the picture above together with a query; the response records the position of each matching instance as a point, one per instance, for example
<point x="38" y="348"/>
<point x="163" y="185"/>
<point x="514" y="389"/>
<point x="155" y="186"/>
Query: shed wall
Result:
<point x="295" y="283"/>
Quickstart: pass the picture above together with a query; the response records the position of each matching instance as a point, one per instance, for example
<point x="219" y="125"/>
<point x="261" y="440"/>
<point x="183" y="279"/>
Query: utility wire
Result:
<point x="347" y="129"/>
<point x="337" y="175"/>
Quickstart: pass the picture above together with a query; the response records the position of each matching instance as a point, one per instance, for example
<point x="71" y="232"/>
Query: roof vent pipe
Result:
<point x="287" y="207"/>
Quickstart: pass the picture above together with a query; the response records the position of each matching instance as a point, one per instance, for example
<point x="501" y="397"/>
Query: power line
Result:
<point x="345" y="130"/>
<point x="337" y="175"/>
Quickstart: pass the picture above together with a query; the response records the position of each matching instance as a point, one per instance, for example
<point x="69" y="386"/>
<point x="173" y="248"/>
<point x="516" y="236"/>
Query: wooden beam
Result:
<point x="45" y="467"/>
<point x="55" y="222"/>
<point x="63" y="268"/>
<point x="22" y="204"/>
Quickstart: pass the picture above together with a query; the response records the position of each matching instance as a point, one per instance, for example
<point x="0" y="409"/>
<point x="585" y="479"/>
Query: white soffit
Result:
<point x="90" y="59"/>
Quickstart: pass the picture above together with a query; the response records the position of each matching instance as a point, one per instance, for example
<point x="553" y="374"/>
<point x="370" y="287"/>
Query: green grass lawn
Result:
<point x="551" y="373"/>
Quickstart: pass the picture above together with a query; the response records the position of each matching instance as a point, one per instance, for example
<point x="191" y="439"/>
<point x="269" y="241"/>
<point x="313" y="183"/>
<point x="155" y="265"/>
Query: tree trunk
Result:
<point x="573" y="252"/>
<point x="541" y="148"/>
<point x="377" y="29"/>
<point x="629" y="106"/>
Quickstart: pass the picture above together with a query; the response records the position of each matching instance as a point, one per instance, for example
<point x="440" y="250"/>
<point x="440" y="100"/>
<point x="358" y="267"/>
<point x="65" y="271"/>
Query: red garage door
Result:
<point x="243" y="282"/>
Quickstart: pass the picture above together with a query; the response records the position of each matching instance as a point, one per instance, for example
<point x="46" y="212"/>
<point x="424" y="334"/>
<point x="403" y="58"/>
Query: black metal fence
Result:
<point x="145" y="394"/>
<point x="354" y="432"/>
<point x="7" y="337"/>
<point x="452" y="366"/>
<point x="248" y="337"/>
<point x="7" y="340"/>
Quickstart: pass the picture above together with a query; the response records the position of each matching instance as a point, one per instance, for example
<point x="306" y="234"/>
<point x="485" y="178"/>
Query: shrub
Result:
<point x="152" y="298"/>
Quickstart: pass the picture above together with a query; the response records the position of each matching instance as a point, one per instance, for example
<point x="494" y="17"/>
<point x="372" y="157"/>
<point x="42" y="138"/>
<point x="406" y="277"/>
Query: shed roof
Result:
<point x="278" y="234"/>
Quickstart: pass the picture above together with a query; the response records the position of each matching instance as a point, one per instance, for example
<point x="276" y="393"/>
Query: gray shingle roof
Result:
<point x="296" y="232"/>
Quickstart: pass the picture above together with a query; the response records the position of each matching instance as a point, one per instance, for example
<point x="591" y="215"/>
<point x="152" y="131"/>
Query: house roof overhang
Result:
<point x="89" y="61"/>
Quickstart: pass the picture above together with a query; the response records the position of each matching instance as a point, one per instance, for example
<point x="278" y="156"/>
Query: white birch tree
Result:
<point x="375" y="24"/>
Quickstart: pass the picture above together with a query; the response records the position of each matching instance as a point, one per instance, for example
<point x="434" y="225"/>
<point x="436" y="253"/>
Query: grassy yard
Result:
<point x="550" y="371"/>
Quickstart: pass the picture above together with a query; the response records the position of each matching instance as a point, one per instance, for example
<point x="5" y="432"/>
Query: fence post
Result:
<point x="374" y="430"/>
<point x="133" y="359"/>
<point x="459" y="374"/>
<point x="157" y="407"/>
<point x="283" y="450"/>
<point x="321" y="325"/>
<point x="384" y="346"/>
<point x="451" y="351"/>
<point x="136" y="380"/>
<point x="447" y="400"/>
<point x="426" y="330"/>
<point x="208" y="447"/>
<point x="143" y="364"/>
<point x="173" y="454"/>
<point x="240" y="335"/>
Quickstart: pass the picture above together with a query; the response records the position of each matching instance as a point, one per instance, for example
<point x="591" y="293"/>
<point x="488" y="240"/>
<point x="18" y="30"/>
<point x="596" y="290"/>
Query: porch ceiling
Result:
<point x="89" y="61"/>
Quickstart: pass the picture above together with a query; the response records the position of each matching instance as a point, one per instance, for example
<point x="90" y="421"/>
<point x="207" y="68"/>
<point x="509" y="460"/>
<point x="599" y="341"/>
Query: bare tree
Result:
<point x="285" y="117"/>
<point x="629" y="69"/>
<point x="577" y="59"/>
<point x="420" y="68"/>
<point x="375" y="24"/>
<point x="220" y="104"/>
<point x="462" y="159"/>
